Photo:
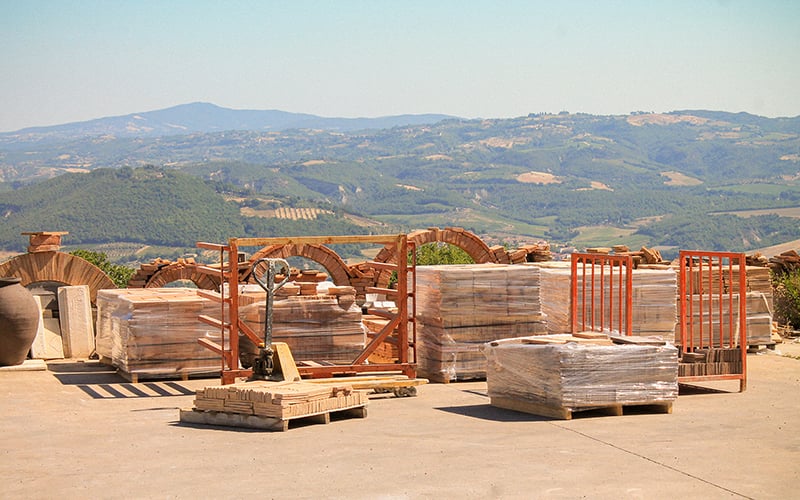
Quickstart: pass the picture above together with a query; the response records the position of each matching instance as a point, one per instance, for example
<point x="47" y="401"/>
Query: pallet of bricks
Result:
<point x="758" y="297"/>
<point x="461" y="307"/>
<point x="319" y="322"/>
<point x="557" y="375"/>
<point x="153" y="332"/>
<point x="654" y="300"/>
<point x="270" y="405"/>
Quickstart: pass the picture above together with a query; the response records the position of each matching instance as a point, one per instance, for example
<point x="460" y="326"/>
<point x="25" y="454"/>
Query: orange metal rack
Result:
<point x="401" y="320"/>
<point x="709" y="293"/>
<point x="602" y="285"/>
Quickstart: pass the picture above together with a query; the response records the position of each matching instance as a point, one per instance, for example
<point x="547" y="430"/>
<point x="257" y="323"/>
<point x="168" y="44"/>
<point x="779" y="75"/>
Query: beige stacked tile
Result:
<point x="461" y="307"/>
<point x="154" y="331"/>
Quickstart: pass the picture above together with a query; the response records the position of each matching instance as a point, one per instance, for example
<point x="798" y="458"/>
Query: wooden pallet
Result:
<point x="260" y="422"/>
<point x="567" y="413"/>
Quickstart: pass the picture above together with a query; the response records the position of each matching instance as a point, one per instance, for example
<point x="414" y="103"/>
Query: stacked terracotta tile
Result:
<point x="154" y="331"/>
<point x="573" y="375"/>
<point x="654" y="299"/>
<point x="323" y="324"/>
<point x="461" y="307"/>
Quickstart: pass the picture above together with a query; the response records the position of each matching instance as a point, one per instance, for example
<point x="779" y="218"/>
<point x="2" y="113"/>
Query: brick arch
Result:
<point x="338" y="270"/>
<point x="456" y="236"/>
<point x="176" y="272"/>
<point x="58" y="267"/>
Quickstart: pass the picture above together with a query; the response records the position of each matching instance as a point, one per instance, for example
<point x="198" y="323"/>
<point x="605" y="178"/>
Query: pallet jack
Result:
<point x="274" y="361"/>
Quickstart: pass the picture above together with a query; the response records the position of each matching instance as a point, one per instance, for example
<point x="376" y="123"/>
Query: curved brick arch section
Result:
<point x="177" y="272"/>
<point x="327" y="258"/>
<point x="456" y="236"/>
<point x="59" y="267"/>
<point x="461" y="238"/>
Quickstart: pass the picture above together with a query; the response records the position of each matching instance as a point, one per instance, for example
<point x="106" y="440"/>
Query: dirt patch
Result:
<point x="679" y="179"/>
<point x="538" y="178"/>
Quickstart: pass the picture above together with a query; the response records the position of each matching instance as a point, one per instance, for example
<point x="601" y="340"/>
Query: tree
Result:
<point x="120" y="275"/>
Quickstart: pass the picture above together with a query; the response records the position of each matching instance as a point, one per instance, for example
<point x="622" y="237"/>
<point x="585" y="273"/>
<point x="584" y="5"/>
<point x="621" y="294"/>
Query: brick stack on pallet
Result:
<point x="710" y="362"/>
<point x="153" y="332"/>
<point x="270" y="405"/>
<point x="461" y="307"/>
<point x="557" y="379"/>
<point x="654" y="299"/>
<point x="323" y="326"/>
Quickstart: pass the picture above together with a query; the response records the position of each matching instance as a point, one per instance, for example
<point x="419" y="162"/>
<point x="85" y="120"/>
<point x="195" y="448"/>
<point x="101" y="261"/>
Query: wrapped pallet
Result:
<point x="319" y="326"/>
<point x="555" y="380"/>
<point x="154" y="331"/>
<point x="460" y="307"/>
<point x="654" y="299"/>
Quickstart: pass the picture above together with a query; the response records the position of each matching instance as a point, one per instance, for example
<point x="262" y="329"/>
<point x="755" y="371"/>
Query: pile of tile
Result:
<point x="654" y="299"/>
<point x="154" y="331"/>
<point x="566" y="376"/>
<point x="321" y="326"/>
<point x="278" y="400"/>
<point x="460" y="307"/>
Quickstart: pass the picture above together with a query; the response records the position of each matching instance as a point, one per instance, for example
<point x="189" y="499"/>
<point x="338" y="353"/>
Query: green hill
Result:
<point x="663" y="179"/>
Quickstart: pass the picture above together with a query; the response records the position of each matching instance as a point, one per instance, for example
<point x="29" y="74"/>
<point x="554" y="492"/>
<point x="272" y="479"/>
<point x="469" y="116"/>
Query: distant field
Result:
<point x="285" y="213"/>
<point x="783" y="212"/>
<point x="679" y="179"/>
<point x="598" y="236"/>
<point x="769" y="189"/>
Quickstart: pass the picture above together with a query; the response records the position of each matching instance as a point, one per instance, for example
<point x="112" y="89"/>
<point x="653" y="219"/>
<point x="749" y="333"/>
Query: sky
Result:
<point x="65" y="61"/>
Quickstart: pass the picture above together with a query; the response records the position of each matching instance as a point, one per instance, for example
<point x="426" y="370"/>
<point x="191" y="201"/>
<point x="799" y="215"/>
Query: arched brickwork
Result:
<point x="176" y="272"/>
<point x="58" y="267"/>
<point x="327" y="258"/>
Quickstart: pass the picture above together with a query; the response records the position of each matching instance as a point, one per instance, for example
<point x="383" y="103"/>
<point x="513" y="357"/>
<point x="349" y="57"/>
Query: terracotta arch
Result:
<point x="327" y="258"/>
<point x="456" y="236"/>
<point x="177" y="271"/>
<point x="59" y="267"/>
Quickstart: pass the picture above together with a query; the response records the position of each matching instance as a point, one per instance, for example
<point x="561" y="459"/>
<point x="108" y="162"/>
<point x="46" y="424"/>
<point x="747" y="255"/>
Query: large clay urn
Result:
<point x="19" y="320"/>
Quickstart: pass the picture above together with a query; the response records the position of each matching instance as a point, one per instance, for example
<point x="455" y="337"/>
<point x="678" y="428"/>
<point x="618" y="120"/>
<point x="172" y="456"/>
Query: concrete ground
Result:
<point x="79" y="431"/>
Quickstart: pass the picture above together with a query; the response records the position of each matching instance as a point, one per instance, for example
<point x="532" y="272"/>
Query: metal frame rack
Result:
<point x="597" y="292"/>
<point x="400" y="320"/>
<point x="709" y="292"/>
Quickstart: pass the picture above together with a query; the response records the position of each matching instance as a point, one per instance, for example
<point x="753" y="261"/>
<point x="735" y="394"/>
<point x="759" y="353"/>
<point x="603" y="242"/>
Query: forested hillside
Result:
<point x="148" y="205"/>
<point x="684" y="179"/>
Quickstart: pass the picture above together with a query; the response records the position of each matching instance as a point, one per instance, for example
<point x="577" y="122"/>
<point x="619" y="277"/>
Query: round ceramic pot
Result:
<point x="19" y="319"/>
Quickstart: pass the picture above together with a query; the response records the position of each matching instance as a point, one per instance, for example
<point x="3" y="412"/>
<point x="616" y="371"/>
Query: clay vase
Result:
<point x="19" y="320"/>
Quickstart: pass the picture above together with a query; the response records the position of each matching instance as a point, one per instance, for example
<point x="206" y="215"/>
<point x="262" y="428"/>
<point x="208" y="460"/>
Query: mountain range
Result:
<point x="202" y="117"/>
<point x="694" y="179"/>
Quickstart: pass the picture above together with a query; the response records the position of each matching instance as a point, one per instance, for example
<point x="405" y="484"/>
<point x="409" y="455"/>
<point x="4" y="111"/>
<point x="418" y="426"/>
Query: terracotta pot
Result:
<point x="19" y="320"/>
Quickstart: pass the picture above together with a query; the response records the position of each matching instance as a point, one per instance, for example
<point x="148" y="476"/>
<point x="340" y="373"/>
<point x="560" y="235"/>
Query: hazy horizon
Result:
<point x="71" y="62"/>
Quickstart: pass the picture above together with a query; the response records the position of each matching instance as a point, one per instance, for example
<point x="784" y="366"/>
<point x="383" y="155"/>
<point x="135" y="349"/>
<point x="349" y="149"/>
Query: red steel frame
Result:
<point x="619" y="281"/>
<point x="703" y="264"/>
<point x="399" y="321"/>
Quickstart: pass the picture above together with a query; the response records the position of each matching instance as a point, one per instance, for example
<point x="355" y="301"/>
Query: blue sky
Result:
<point x="65" y="61"/>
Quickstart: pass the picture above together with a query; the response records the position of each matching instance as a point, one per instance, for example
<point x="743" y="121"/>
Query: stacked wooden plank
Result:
<point x="323" y="326"/>
<point x="271" y="405"/>
<point x="654" y="299"/>
<point x="556" y="379"/>
<point x="154" y="331"/>
<point x="461" y="307"/>
<point x="282" y="400"/>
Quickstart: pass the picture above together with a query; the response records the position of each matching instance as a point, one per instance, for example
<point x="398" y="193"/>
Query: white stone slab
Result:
<point x="48" y="343"/>
<point x="77" y="327"/>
